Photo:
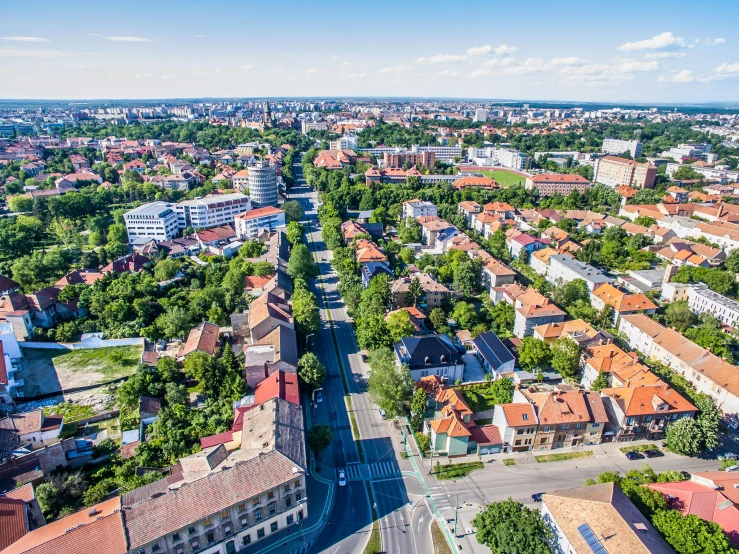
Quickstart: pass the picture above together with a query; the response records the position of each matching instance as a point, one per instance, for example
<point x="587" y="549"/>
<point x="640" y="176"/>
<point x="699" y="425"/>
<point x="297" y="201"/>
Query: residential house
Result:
<point x="623" y="303"/>
<point x="370" y="270"/>
<point x="707" y="372"/>
<point x="598" y="519"/>
<point x="33" y="428"/>
<point x="202" y="338"/>
<point x="495" y="274"/>
<point x="430" y="227"/>
<point x="516" y="423"/>
<point x="418" y="208"/>
<point x="351" y="229"/>
<point x="533" y="310"/>
<point x="435" y="293"/>
<point x="517" y="242"/>
<point x="19" y="514"/>
<point x="565" y="417"/>
<point x="277" y="350"/>
<point x="7" y="285"/>
<point x="266" y="313"/>
<point x="576" y="329"/>
<point x="558" y="183"/>
<point x="133" y="263"/>
<point x="250" y="224"/>
<point x="622" y="369"/>
<point x="564" y="268"/>
<point x="431" y="355"/>
<point x="416" y="316"/>
<point x="701" y="300"/>
<point x="493" y="354"/>
<point x="643" y="412"/>
<point x="469" y="209"/>
<point x="539" y="261"/>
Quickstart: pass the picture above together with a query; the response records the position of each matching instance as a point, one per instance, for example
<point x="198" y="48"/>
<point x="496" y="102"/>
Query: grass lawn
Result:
<point x="441" y="546"/>
<point x="71" y="412"/>
<point x="486" y="421"/>
<point x="478" y="398"/>
<point x="456" y="471"/>
<point x="509" y="462"/>
<point x="53" y="370"/>
<point x="504" y="177"/>
<point x="639" y="448"/>
<point x="564" y="456"/>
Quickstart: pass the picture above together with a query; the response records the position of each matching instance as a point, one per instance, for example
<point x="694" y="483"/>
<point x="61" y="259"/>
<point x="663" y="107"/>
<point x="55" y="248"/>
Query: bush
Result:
<point x="68" y="431"/>
<point x="424" y="443"/>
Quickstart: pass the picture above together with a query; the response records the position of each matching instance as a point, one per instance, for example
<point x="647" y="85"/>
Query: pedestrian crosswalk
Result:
<point x="364" y="472"/>
<point x="440" y="497"/>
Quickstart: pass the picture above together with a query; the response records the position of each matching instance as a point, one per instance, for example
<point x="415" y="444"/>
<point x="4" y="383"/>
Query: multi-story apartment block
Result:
<point x="445" y="154"/>
<point x="614" y="172"/>
<point x="533" y="310"/>
<point x="701" y="299"/>
<point x="636" y="413"/>
<point x="399" y="159"/>
<point x="555" y="183"/>
<point x="565" y="418"/>
<point x="250" y="224"/>
<point x="211" y="211"/>
<point x="707" y="372"/>
<point x="565" y="268"/>
<point x="156" y="220"/>
<point x="616" y="146"/>
<point x="240" y="180"/>
<point x="263" y="184"/>
<point x="418" y="208"/>
<point x="347" y="142"/>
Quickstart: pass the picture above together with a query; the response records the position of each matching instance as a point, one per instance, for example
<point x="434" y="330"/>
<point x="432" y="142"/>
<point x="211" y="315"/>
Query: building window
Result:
<point x="227" y="529"/>
<point x="255" y="501"/>
<point x="155" y="548"/>
<point x="210" y="537"/>
<point x="565" y="426"/>
<point x="630" y="421"/>
<point x="242" y="507"/>
<point x="578" y="425"/>
<point x="273" y="527"/>
<point x="224" y="513"/>
<point x="175" y="537"/>
<point x="194" y="545"/>
<point x="191" y="531"/>
<point x="207" y="521"/>
<point x="298" y="496"/>
<point x="518" y="443"/>
<point x="290" y="519"/>
<point x="287" y="487"/>
<point x="243" y="521"/>
<point x="546" y="429"/>
<point x="260" y="533"/>
<point x="247" y="539"/>
<point x="179" y="550"/>
<point x="297" y="483"/>
<point x="595" y="425"/>
<point x="271" y="508"/>
<point x="271" y="494"/>
<point x="258" y="515"/>
<point x="525" y="417"/>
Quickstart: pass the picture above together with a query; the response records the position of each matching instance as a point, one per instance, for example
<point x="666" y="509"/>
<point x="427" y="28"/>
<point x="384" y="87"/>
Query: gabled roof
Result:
<point x="649" y="400"/>
<point x="429" y="351"/>
<point x="492" y="349"/>
<point x="622" y="301"/>
<point x="520" y="414"/>
<point x="13" y="523"/>
<point x="451" y="426"/>
<point x="280" y="384"/>
<point x="203" y="338"/>
<point x="576" y="406"/>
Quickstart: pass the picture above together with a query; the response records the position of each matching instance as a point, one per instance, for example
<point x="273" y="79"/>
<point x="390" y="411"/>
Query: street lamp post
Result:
<point x="306" y="339"/>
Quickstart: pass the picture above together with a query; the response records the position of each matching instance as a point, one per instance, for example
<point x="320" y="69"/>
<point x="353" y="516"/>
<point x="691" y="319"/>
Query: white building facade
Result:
<point x="617" y="146"/>
<point x="211" y="211"/>
<point x="156" y="220"/>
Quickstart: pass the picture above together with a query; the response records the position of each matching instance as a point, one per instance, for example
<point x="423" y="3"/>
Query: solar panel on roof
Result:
<point x="591" y="539"/>
<point x="725" y="504"/>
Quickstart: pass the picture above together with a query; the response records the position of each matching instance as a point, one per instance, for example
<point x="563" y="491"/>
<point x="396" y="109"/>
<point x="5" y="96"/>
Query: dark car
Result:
<point x="653" y="453"/>
<point x="536" y="497"/>
<point x="634" y="456"/>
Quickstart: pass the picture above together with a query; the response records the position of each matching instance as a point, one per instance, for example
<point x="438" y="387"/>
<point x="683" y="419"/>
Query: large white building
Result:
<point x="263" y="184"/>
<point x="347" y="142"/>
<point x="617" y="146"/>
<point x="211" y="211"/>
<point x="248" y="225"/>
<point x="701" y="299"/>
<point x="445" y="154"/>
<point x="156" y="220"/>
<point x="418" y="208"/>
<point x="564" y="268"/>
<point x="481" y="114"/>
<point x="506" y="157"/>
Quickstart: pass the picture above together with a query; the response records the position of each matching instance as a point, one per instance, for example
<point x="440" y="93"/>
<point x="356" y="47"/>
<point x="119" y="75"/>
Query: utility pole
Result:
<point x="456" y="512"/>
<point x="431" y="462"/>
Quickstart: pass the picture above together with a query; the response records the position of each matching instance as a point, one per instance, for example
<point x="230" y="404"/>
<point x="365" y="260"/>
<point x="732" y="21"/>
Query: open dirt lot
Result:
<point x="51" y="370"/>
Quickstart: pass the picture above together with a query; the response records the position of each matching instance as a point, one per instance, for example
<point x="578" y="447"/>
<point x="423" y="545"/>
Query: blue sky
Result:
<point x="629" y="51"/>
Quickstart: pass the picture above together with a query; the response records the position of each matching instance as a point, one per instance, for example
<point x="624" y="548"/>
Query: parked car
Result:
<point x="634" y="455"/>
<point x="318" y="396"/>
<point x="383" y="415"/>
<point x="342" y="478"/>
<point x="536" y="497"/>
<point x="653" y="453"/>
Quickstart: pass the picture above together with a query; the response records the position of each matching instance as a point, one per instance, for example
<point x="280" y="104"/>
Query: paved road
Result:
<point x="398" y="512"/>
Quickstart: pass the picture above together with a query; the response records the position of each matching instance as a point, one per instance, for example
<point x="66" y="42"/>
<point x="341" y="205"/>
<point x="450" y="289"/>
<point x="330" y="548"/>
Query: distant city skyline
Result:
<point x="655" y="52"/>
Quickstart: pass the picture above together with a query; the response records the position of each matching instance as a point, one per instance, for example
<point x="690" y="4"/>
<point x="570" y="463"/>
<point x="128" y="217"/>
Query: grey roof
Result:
<point x="414" y="351"/>
<point x="492" y="349"/>
<point x="158" y="209"/>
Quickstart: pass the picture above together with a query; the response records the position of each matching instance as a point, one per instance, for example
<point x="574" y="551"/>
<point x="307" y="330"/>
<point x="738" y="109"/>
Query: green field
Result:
<point x="504" y="177"/>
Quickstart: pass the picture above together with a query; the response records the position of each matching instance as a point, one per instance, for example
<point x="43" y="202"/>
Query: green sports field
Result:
<point x="503" y="177"/>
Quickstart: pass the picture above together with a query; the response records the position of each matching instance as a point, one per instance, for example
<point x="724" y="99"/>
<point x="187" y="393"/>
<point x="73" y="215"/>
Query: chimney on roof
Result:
<point x="266" y="369"/>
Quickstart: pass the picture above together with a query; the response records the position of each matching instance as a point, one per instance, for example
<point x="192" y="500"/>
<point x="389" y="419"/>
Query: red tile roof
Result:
<point x="519" y="414"/>
<point x="259" y="212"/>
<point x="12" y="520"/>
<point x="278" y="385"/>
<point x="204" y="338"/>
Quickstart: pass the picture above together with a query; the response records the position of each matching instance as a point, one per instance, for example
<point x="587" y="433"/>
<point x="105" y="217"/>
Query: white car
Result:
<point x="342" y="478"/>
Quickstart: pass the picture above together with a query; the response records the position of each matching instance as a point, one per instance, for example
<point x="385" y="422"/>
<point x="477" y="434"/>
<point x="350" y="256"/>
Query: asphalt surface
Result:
<point x="404" y="518"/>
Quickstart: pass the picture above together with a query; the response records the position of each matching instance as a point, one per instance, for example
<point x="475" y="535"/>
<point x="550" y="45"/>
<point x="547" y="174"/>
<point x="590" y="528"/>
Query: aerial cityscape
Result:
<point x="307" y="279"/>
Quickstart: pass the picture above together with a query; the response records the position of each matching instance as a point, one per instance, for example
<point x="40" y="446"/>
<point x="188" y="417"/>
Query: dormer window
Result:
<point x="525" y="417"/>
<point x="443" y="359"/>
<point x="427" y="360"/>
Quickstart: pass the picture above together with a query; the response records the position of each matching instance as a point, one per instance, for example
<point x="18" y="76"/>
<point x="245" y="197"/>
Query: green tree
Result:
<point x="508" y="527"/>
<point x="295" y="232"/>
<point x="684" y="436"/>
<point x="390" y="387"/>
<point x="166" y="269"/>
<point x="438" y="320"/>
<point x="501" y="390"/>
<point x="533" y="354"/>
<point x="415" y="291"/>
<point x="65" y="231"/>
<point x="708" y="420"/>
<point x="465" y="315"/>
<point x="503" y="317"/>
<point x="175" y="322"/>
<point x="566" y="357"/>
<point x="117" y="233"/>
<point x="689" y="534"/>
<point x="600" y="382"/>
<point x="20" y="203"/>
<point x="467" y="277"/>
<point x="373" y="332"/>
<point x="311" y="371"/>
<point x="319" y="438"/>
<point x="293" y="211"/>
<point x="645" y="221"/>
<point x="305" y="310"/>
<point x="301" y="264"/>
<point x="399" y="325"/>
<point x="679" y="315"/>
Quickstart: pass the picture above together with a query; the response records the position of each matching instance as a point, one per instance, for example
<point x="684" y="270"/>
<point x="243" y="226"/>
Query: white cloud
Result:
<point x="662" y="55"/>
<point x="663" y="41"/>
<point x="311" y="71"/>
<point x="26" y="39"/>
<point x="500" y="62"/>
<point x="631" y="66"/>
<point x="357" y="75"/>
<point x="481" y="73"/>
<point x="16" y="53"/>
<point x="684" y="76"/>
<point x="246" y="67"/>
<point x="572" y="60"/>
<point x="167" y="77"/>
<point x="446" y="73"/>
<point x="334" y="57"/>
<point x="587" y="69"/>
<point x="479" y="50"/>
<point x="392" y="69"/>
<point x="529" y="65"/>
<point x="727" y="69"/>
<point x="715" y="41"/>
<point x="504" y="49"/>
<point x="443" y="58"/>
<point x="128" y="39"/>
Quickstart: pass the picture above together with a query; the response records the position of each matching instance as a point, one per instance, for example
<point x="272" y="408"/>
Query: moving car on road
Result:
<point x="342" y="478"/>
